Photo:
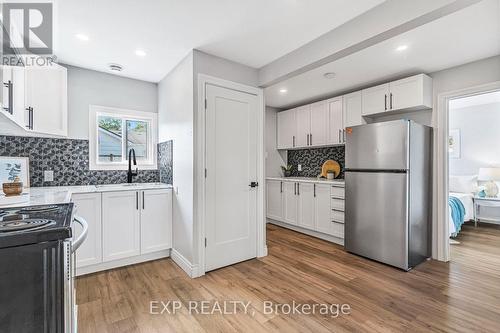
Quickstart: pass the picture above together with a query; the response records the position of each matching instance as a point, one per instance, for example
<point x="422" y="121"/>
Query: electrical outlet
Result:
<point x="48" y="176"/>
<point x="299" y="167"/>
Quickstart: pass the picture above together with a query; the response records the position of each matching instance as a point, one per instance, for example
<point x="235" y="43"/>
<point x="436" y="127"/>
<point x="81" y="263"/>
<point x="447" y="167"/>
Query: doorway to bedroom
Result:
<point x="474" y="178"/>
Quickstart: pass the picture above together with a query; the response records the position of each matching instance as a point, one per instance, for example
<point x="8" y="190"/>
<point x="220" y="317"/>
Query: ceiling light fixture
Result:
<point x="140" y="53"/>
<point x="401" y="48"/>
<point x="82" y="37"/>
<point x="283" y="90"/>
<point x="329" y="75"/>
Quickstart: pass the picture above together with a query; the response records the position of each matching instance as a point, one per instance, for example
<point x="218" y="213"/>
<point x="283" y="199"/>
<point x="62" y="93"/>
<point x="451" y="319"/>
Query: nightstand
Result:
<point x="486" y="209"/>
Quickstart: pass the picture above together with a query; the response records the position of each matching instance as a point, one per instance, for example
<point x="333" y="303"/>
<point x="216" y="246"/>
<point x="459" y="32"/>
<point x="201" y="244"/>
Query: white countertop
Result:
<point x="62" y="194"/>
<point x="334" y="182"/>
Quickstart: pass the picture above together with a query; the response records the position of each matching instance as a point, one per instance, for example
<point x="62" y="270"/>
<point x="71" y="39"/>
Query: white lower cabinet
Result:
<point x="311" y="206"/>
<point x="275" y="199"/>
<point x="121" y="230"/>
<point x="156" y="229"/>
<point x="88" y="206"/>
<point x="322" y="219"/>
<point x="125" y="227"/>
<point x="290" y="202"/>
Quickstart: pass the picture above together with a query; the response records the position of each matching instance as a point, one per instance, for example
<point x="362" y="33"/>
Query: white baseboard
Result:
<point x="122" y="262"/>
<point x="263" y="252"/>
<point x="313" y="233"/>
<point x="181" y="261"/>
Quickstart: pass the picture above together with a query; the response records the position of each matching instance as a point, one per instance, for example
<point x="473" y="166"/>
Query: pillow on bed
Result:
<point x="463" y="184"/>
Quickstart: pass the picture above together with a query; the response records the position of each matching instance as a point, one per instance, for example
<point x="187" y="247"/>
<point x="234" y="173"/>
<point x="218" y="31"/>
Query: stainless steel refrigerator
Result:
<point x="388" y="192"/>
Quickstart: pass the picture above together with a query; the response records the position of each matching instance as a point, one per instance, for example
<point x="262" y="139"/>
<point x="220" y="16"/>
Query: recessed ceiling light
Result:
<point x="140" y="53"/>
<point x="115" y="67"/>
<point x="329" y="75"/>
<point x="283" y="90"/>
<point x="401" y="48"/>
<point x="82" y="37"/>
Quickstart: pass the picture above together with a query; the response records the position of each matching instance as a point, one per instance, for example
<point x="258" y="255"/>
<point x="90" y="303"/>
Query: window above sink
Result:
<point x="113" y="132"/>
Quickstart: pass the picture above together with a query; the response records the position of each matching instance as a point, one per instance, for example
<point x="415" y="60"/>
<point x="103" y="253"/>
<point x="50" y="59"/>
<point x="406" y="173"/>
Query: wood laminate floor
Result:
<point x="460" y="296"/>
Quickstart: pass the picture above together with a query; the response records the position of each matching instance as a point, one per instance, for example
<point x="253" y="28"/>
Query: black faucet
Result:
<point x="130" y="174"/>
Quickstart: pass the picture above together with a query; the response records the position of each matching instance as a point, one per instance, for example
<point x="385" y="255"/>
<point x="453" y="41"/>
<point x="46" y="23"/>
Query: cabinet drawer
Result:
<point x="337" y="192"/>
<point x="338" y="229"/>
<point x="337" y="216"/>
<point x="338" y="204"/>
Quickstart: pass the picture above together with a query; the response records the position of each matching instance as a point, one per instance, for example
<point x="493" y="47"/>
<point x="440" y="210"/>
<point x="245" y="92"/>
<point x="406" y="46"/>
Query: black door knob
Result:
<point x="253" y="184"/>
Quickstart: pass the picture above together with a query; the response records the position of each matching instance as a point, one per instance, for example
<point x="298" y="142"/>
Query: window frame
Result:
<point x="152" y="118"/>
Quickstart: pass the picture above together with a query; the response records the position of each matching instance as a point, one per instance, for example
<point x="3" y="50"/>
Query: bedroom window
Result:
<point x="113" y="132"/>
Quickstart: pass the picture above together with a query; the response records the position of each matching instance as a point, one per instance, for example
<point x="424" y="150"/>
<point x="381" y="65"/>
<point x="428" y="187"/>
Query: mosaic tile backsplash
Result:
<point x="312" y="159"/>
<point x="69" y="159"/>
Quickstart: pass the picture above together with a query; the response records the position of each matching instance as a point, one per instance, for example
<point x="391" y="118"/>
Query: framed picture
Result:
<point x="12" y="167"/>
<point x="454" y="143"/>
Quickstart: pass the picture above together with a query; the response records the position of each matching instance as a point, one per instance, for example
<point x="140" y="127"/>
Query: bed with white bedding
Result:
<point x="462" y="188"/>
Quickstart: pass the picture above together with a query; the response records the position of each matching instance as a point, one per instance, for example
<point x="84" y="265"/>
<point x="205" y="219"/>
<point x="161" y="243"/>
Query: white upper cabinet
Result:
<point x="46" y="99"/>
<point x="319" y="124"/>
<point x="335" y="121"/>
<point x="375" y="99"/>
<point x="409" y="94"/>
<point x="13" y="94"/>
<point x="287" y="128"/>
<point x="412" y="93"/>
<point x="303" y="126"/>
<point x="352" y="109"/>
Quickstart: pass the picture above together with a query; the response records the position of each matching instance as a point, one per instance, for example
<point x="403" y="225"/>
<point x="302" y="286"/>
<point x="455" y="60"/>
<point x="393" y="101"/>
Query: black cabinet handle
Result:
<point x="143" y="204"/>
<point x="311" y="139"/>
<point x="137" y="200"/>
<point x="9" y="108"/>
<point x="30" y="118"/>
<point x="385" y="102"/>
<point x="314" y="190"/>
<point x="281" y="187"/>
<point x="298" y="188"/>
<point x="295" y="188"/>
<point x="390" y="102"/>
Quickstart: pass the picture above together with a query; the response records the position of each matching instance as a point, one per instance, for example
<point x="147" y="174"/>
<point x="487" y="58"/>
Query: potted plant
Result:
<point x="287" y="170"/>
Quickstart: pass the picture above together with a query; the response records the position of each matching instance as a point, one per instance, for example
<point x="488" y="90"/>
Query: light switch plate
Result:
<point x="299" y="167"/>
<point x="48" y="176"/>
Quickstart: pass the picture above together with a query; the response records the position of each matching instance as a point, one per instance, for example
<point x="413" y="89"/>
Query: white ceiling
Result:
<point x="488" y="98"/>
<point x="467" y="35"/>
<point x="249" y="32"/>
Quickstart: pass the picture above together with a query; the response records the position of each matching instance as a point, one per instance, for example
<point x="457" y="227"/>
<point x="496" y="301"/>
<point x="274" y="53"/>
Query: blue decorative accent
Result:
<point x="457" y="210"/>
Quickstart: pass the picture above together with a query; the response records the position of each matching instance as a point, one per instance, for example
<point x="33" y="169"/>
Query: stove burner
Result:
<point x="24" y="224"/>
<point x="37" y="209"/>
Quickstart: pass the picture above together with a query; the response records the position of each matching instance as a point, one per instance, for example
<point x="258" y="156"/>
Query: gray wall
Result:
<point x="274" y="158"/>
<point x="87" y="87"/>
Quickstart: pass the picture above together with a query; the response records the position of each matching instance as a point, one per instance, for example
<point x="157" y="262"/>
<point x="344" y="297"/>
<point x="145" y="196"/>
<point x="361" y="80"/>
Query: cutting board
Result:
<point x="330" y="165"/>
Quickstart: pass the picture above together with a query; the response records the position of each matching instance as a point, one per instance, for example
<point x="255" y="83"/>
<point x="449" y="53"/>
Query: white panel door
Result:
<point x="274" y="199"/>
<point x="290" y="202"/>
<point x="287" y="128"/>
<point x="335" y="119"/>
<point x="120" y="226"/>
<point x="156" y="220"/>
<point x="319" y="124"/>
<point x="305" y="192"/>
<point x="375" y="100"/>
<point x="322" y="209"/>
<point x="303" y="126"/>
<point x="46" y="93"/>
<point x="231" y="160"/>
<point x="352" y="109"/>
<point x="88" y="206"/>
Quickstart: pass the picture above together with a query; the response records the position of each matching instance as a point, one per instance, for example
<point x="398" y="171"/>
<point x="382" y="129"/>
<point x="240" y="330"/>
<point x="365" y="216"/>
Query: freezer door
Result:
<point x="376" y="216"/>
<point x="379" y="146"/>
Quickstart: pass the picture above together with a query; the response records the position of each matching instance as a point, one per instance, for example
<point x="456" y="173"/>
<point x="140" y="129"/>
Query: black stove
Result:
<point x="35" y="224"/>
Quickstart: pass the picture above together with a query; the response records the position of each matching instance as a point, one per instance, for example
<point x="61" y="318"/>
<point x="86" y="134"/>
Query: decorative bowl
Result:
<point x="11" y="189"/>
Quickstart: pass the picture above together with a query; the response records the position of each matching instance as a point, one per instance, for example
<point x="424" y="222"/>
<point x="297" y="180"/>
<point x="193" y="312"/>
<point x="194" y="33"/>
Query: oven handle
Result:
<point x="81" y="221"/>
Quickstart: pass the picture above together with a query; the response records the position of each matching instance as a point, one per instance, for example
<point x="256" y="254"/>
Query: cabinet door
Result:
<point x="305" y="193"/>
<point x="375" y="100"/>
<point x="352" y="109"/>
<point x="19" y="94"/>
<point x="275" y="199"/>
<point x="120" y="227"/>
<point x="46" y="93"/>
<point x="88" y="206"/>
<point x="303" y="126"/>
<point x="287" y="128"/>
<point x="319" y="124"/>
<point x="322" y="209"/>
<point x="336" y="124"/>
<point x="290" y="202"/>
<point x="156" y="220"/>
<point x="5" y="78"/>
<point x="414" y="92"/>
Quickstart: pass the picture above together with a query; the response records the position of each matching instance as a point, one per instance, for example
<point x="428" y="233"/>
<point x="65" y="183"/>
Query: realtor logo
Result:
<point x="27" y="28"/>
